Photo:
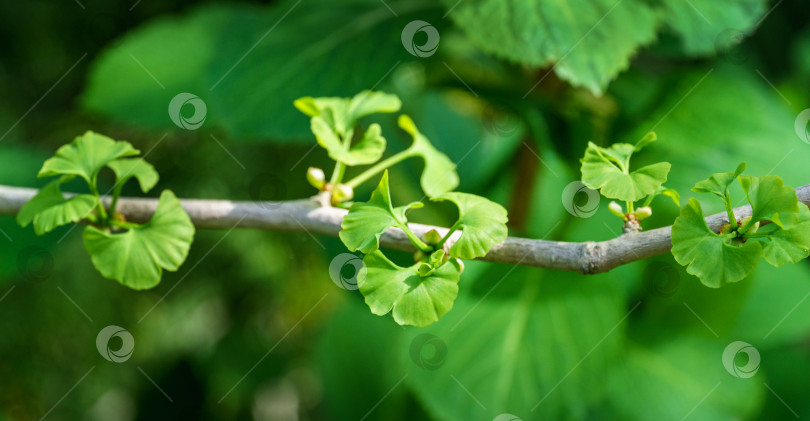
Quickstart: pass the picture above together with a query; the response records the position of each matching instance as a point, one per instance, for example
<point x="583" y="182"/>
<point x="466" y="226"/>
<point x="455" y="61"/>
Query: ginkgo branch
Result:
<point x="314" y="218"/>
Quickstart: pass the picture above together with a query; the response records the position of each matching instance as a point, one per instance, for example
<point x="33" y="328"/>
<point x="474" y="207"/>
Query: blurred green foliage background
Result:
<point x="252" y="327"/>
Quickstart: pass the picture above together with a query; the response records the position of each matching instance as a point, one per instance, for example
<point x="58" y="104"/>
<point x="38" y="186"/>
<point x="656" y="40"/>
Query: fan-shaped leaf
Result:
<point x="49" y="208"/>
<point x="136" y="258"/>
<point x="411" y="298"/>
<point x="143" y="171"/>
<point x="482" y="223"/>
<point x="707" y="255"/>
<point x="366" y="221"/>
<point x="85" y="156"/>
<point x="439" y="175"/>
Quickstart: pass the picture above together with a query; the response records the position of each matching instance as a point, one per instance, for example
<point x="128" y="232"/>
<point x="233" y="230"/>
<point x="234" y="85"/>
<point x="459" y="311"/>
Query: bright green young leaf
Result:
<point x="607" y="170"/>
<point x="136" y="258"/>
<point x="770" y="199"/>
<point x="326" y="136"/>
<point x="482" y="224"/>
<point x="85" y="156"/>
<point x="366" y="221"/>
<point x="718" y="183"/>
<point x="411" y="298"/>
<point x="49" y="208"/>
<point x="663" y="191"/>
<point x="143" y="171"/>
<point x="790" y="245"/>
<point x="367" y="151"/>
<point x="707" y="255"/>
<point x="439" y="175"/>
<point x="342" y="114"/>
<point x="646" y="140"/>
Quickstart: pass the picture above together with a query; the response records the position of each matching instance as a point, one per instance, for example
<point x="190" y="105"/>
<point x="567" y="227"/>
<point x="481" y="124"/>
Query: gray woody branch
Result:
<point x="308" y="215"/>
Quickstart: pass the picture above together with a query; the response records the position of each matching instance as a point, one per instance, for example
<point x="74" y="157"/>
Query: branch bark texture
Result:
<point x="310" y="216"/>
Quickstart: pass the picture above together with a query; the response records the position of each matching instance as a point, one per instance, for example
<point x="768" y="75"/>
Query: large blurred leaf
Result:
<point x="538" y="353"/>
<point x="681" y="378"/>
<point x="248" y="63"/>
<point x="588" y="41"/>
<point x="701" y="23"/>
<point x="713" y="119"/>
<point x="776" y="312"/>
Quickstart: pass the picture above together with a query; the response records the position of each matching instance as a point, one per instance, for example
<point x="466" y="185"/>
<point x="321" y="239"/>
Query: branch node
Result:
<point x="591" y="258"/>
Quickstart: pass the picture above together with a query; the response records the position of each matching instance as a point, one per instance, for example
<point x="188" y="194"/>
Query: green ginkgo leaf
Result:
<point x="770" y="199"/>
<point x="608" y="170"/>
<point x="49" y="209"/>
<point x="143" y="171"/>
<point x="411" y="298"/>
<point x="790" y="245"/>
<point x="718" y="183"/>
<point x="367" y="151"/>
<point x="342" y="114"/>
<point x="711" y="257"/>
<point x="136" y="257"/>
<point x="366" y="221"/>
<point x="86" y="156"/>
<point x="439" y="175"/>
<point x="482" y="223"/>
<point x="663" y="191"/>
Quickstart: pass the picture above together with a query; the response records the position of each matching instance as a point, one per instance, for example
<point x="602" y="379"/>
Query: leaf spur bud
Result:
<point x="316" y="177"/>
<point x="616" y="209"/>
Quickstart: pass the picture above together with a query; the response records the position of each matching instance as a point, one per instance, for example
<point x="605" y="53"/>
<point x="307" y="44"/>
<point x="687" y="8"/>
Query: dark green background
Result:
<point x="242" y="293"/>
